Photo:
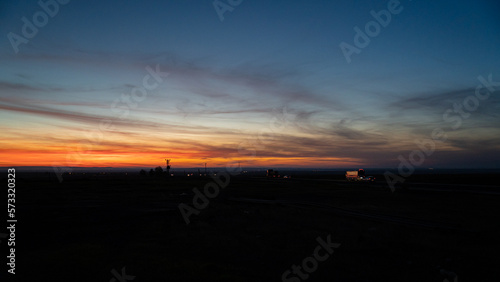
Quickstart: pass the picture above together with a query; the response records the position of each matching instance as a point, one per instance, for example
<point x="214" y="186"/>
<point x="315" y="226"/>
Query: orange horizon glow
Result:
<point x="129" y="147"/>
<point x="125" y="160"/>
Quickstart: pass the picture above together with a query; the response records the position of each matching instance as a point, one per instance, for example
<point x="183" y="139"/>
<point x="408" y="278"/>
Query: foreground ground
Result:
<point x="253" y="230"/>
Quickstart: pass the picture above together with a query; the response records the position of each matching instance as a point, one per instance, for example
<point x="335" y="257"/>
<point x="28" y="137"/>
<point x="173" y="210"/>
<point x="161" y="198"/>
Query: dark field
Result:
<point x="257" y="228"/>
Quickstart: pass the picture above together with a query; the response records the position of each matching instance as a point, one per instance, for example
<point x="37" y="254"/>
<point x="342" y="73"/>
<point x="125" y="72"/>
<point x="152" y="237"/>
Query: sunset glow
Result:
<point x="129" y="89"/>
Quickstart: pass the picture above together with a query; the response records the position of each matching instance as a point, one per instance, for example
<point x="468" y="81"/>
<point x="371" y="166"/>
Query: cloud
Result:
<point x="439" y="100"/>
<point x="9" y="86"/>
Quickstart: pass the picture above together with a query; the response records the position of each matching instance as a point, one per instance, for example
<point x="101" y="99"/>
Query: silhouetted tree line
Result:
<point x="158" y="171"/>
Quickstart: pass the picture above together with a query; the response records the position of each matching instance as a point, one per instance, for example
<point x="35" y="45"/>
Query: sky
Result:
<point x="260" y="83"/>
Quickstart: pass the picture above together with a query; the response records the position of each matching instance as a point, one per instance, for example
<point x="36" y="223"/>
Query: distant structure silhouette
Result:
<point x="158" y="171"/>
<point x="354" y="175"/>
<point x="272" y="173"/>
<point x="168" y="166"/>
